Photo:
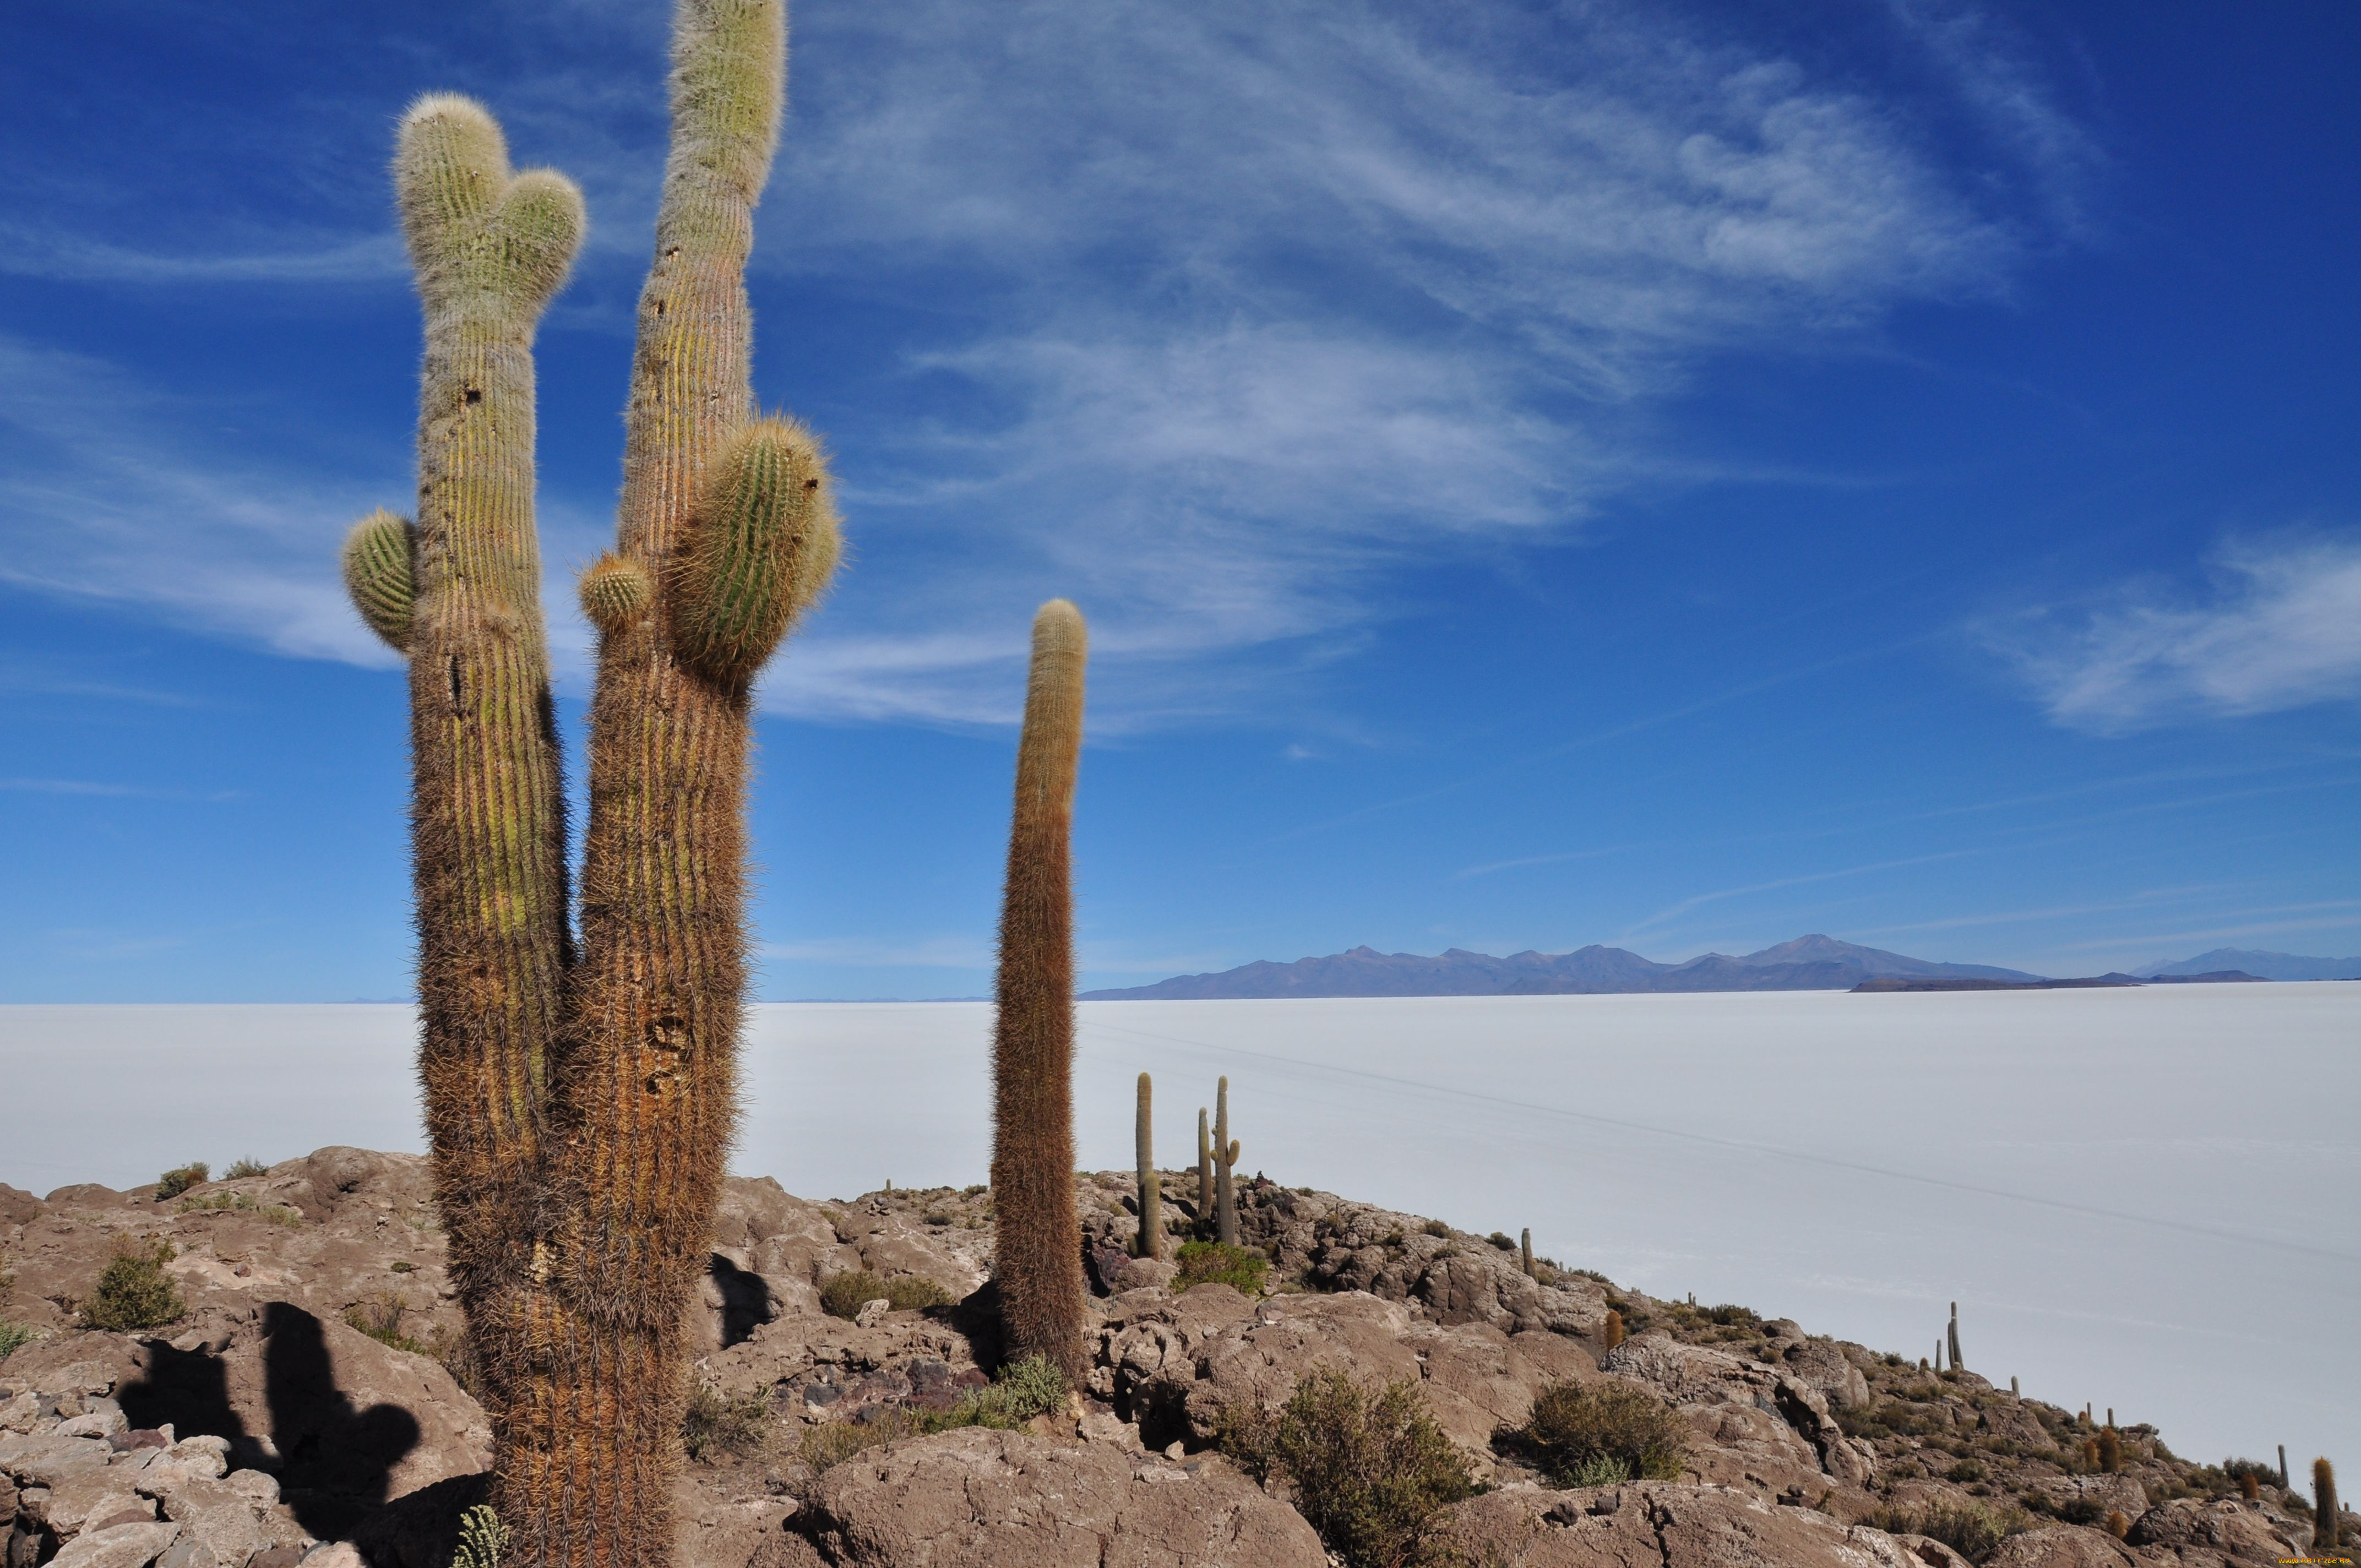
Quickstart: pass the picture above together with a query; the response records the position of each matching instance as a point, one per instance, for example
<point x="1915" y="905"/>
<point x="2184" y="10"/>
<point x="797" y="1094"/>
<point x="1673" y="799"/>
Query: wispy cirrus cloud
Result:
<point x="2277" y="626"/>
<point x="1211" y="317"/>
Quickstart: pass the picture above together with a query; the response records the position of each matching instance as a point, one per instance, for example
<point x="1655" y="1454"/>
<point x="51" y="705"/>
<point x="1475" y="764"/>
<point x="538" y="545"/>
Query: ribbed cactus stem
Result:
<point x="460" y="593"/>
<point x="1525" y="1251"/>
<point x="1225" y="1155"/>
<point x="1039" y="1246"/>
<point x="2326" y="1526"/>
<point x="1204" y="1172"/>
<point x="656" y="1004"/>
<point x="1954" y="1337"/>
<point x="580" y="1101"/>
<point x="1151" y="1186"/>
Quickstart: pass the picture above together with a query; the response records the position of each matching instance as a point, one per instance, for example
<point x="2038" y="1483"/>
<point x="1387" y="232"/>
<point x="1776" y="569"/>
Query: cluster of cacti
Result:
<point x="1226" y="1160"/>
<point x="580" y="1091"/>
<point x="1038" y="1241"/>
<point x="1151" y="1186"/>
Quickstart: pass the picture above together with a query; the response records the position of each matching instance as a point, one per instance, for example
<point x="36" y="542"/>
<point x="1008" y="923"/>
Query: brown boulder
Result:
<point x="1657" y="1525"/>
<point x="976" y="1498"/>
<point x="2060" y="1546"/>
<point x="2227" y="1526"/>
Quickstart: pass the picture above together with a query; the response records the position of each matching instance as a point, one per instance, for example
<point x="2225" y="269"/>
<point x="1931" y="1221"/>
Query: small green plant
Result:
<point x="132" y="1292"/>
<point x="844" y="1294"/>
<point x="482" y="1538"/>
<point x="241" y="1168"/>
<point x="172" y="1183"/>
<point x="1370" y="1470"/>
<point x="1436" y="1228"/>
<point x="714" y="1422"/>
<point x="1970" y="1530"/>
<point x="1502" y="1240"/>
<point x="15" y="1337"/>
<point x="1965" y="1473"/>
<point x="1730" y="1314"/>
<point x="1574" y="1424"/>
<point x="402" y="1265"/>
<point x="1211" y="1262"/>
<point x="380" y="1317"/>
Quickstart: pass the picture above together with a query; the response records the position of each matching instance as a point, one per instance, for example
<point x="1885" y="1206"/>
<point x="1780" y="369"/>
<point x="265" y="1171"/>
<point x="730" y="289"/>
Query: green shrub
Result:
<point x="1730" y="1314"/>
<point x="132" y="1292"/>
<point x="1965" y="1473"/>
<point x="1502" y="1240"/>
<point x="1436" y="1228"/>
<point x="715" y="1423"/>
<point x="15" y="1337"/>
<point x="1574" y="1425"/>
<point x="1370" y="1470"/>
<point x="1970" y="1530"/>
<point x="482" y="1538"/>
<point x="844" y="1295"/>
<point x="1211" y="1262"/>
<point x="241" y="1168"/>
<point x="172" y="1183"/>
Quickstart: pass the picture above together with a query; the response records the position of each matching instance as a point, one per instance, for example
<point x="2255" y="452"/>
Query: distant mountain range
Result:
<point x="2270" y="966"/>
<point x="1808" y="963"/>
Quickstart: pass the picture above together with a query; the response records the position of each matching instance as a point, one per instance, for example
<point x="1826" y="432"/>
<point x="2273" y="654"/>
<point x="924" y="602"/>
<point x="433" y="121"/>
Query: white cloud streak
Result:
<point x="2279" y="628"/>
<point x="1233" y="310"/>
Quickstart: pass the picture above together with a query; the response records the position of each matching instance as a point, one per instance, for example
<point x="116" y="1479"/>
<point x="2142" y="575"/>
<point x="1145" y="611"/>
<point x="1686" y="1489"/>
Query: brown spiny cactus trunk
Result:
<point x="580" y="1104"/>
<point x="1038" y="1242"/>
<point x="1151" y="1186"/>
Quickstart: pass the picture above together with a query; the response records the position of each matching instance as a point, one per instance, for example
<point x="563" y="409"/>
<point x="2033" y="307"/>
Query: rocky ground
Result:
<point x="305" y="1407"/>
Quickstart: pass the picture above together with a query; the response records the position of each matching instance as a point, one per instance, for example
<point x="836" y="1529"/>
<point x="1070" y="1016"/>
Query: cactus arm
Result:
<point x="487" y="249"/>
<point x="762" y="544"/>
<point x="377" y="568"/>
<point x="1037" y="1245"/>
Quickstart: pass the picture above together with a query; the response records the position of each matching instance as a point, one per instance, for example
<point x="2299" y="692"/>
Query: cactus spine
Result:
<point x="1039" y="1246"/>
<point x="580" y="1101"/>
<point x="2326" y="1526"/>
<point x="1151" y="1186"/>
<point x="1226" y="1158"/>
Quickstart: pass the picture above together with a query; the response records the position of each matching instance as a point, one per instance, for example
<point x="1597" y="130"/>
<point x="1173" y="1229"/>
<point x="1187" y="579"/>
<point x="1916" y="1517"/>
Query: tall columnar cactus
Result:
<point x="1151" y="1186"/>
<point x="1226" y="1156"/>
<point x="2325" y="1525"/>
<point x="1525" y="1251"/>
<point x="1204" y="1172"/>
<point x="1039" y="1246"/>
<point x="1957" y="1364"/>
<point x="579" y="1098"/>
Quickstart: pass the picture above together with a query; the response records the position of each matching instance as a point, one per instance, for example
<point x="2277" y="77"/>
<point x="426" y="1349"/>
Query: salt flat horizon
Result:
<point x="2140" y="1198"/>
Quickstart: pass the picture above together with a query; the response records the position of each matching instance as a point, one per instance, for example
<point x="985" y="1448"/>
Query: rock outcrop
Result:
<point x="310" y="1404"/>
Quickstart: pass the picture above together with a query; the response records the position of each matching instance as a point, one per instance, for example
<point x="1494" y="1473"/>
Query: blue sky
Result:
<point x="1675" y="475"/>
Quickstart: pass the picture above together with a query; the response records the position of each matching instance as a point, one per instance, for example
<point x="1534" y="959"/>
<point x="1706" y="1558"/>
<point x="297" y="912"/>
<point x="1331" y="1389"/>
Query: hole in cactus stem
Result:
<point x="474" y="395"/>
<point x="660" y="305"/>
<point x="811" y="484"/>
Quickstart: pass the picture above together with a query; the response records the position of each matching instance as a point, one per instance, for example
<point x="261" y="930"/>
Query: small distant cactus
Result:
<point x="2325" y="1524"/>
<point x="1611" y="1332"/>
<point x="2111" y="1448"/>
<point x="1151" y="1186"/>
<point x="2250" y="1486"/>
<point x="1037" y="1249"/>
<point x="1205" y="1168"/>
<point x="1225" y="1159"/>
<point x="1525" y="1251"/>
<point x="1956" y="1362"/>
<point x="2119" y="1523"/>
